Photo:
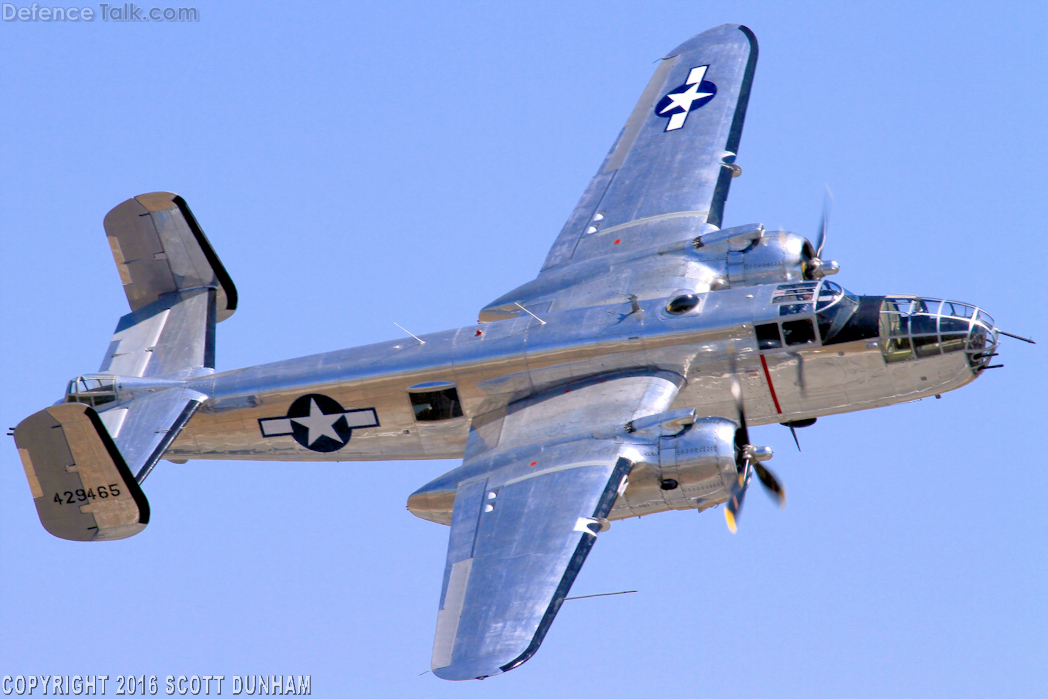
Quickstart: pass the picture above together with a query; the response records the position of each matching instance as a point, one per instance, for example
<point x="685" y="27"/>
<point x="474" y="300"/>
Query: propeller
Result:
<point x="748" y="460"/>
<point x="824" y="222"/>
<point x="817" y="267"/>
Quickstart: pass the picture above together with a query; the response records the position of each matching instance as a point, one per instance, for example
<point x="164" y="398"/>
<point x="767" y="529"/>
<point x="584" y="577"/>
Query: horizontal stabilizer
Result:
<point x="150" y="425"/>
<point x="160" y="248"/>
<point x="81" y="485"/>
<point x="172" y="337"/>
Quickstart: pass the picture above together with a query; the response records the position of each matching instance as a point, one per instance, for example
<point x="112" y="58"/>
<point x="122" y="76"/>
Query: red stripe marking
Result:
<point x="771" y="387"/>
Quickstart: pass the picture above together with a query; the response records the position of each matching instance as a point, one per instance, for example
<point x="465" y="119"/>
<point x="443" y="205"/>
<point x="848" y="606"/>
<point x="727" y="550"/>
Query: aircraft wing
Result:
<point x="530" y="499"/>
<point x="665" y="177"/>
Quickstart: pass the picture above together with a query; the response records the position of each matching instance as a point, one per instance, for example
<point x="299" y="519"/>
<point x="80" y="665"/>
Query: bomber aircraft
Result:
<point x="620" y="382"/>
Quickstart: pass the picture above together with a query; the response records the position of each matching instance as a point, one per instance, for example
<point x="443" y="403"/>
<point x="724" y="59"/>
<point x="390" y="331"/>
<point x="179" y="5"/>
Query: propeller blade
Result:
<point x="742" y="435"/>
<point x="771" y="483"/>
<point x="824" y="222"/>
<point x="730" y="519"/>
<point x="734" y="504"/>
<point x="743" y="465"/>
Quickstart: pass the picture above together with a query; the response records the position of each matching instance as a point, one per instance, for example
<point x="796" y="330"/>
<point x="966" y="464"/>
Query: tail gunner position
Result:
<point x="619" y="382"/>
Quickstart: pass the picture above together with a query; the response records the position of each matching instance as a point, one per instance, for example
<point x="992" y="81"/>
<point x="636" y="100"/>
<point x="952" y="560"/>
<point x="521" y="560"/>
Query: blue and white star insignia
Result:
<point x="681" y="100"/>
<point x="318" y="423"/>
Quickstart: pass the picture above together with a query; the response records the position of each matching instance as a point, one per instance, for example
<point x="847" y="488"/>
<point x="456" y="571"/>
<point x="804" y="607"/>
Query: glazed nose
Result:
<point x="982" y="342"/>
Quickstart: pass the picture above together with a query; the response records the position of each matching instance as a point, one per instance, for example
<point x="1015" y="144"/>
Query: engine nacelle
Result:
<point x="776" y="257"/>
<point x="750" y="255"/>
<point x="693" y="469"/>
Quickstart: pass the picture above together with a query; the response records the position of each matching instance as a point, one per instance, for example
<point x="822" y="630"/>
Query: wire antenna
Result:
<point x="529" y="313"/>
<point x="602" y="594"/>
<point x="420" y="340"/>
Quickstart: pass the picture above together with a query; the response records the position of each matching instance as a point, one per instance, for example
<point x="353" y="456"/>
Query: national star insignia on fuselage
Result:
<point x="318" y="423"/>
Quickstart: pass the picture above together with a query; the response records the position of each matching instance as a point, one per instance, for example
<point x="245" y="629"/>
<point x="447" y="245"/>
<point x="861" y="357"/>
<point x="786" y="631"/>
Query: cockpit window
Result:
<point x="828" y="293"/>
<point x="801" y="292"/>
<point x="798" y="332"/>
<point x="795" y="309"/>
<point x="792" y="297"/>
<point x="835" y="308"/>
<point x="768" y="336"/>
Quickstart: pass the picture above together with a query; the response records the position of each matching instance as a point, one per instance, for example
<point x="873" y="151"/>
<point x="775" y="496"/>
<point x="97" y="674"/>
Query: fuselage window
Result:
<point x="430" y="406"/>
<point x="768" y="336"/>
<point x="798" y="332"/>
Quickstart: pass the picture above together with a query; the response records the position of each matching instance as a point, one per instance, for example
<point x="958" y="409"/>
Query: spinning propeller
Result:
<point x="817" y="268"/>
<point x="748" y="460"/>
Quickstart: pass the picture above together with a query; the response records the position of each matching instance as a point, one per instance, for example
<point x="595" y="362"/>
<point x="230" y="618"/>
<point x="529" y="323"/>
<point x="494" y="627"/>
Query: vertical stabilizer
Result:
<point x="82" y="488"/>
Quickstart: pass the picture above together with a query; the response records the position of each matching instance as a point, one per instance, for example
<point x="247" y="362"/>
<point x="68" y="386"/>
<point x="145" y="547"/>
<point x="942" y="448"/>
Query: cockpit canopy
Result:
<point x="906" y="327"/>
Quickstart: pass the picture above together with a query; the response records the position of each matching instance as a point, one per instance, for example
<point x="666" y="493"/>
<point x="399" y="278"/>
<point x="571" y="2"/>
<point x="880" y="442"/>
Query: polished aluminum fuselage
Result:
<point x="494" y="364"/>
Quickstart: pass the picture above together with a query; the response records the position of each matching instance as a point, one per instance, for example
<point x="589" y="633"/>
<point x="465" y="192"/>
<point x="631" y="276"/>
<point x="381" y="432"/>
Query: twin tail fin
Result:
<point x="86" y="457"/>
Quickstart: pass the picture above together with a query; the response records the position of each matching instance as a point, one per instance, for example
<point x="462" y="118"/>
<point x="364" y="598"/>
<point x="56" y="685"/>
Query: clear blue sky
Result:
<point x="361" y="164"/>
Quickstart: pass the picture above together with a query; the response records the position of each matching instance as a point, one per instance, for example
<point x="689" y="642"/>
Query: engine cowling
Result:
<point x="750" y="255"/>
<point x="693" y="469"/>
<point x="774" y="258"/>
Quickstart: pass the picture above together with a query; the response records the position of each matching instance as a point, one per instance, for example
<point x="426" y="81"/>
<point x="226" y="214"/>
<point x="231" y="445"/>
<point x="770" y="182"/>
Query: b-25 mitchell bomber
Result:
<point x="620" y="382"/>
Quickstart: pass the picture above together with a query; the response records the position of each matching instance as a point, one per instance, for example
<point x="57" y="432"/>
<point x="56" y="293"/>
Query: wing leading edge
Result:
<point x="527" y="512"/>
